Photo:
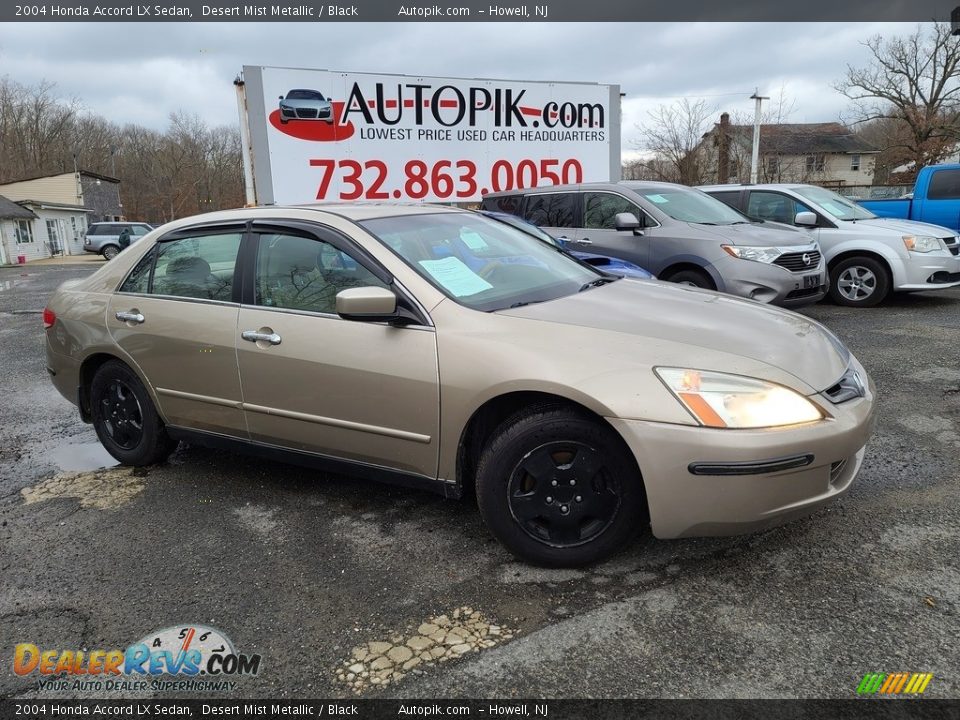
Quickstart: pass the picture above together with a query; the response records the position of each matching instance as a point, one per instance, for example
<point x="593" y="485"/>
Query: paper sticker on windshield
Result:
<point x="473" y="240"/>
<point x="455" y="277"/>
<point x="659" y="199"/>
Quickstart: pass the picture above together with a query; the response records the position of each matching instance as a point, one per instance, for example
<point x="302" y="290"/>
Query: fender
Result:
<point x="868" y="246"/>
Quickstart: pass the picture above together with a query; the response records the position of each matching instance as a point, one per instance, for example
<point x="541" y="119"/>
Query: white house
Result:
<point x="35" y="229"/>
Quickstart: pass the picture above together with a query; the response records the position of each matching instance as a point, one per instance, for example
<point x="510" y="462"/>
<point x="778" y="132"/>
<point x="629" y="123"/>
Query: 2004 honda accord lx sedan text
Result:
<point x="437" y="348"/>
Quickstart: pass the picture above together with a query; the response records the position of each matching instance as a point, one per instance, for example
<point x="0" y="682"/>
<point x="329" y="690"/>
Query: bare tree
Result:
<point x="673" y="136"/>
<point x="915" y="81"/>
<point x="186" y="169"/>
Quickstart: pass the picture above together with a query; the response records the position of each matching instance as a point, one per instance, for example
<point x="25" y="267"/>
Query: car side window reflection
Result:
<point x="551" y="209"/>
<point x="600" y="210"/>
<point x="199" y="267"/>
<point x="301" y="273"/>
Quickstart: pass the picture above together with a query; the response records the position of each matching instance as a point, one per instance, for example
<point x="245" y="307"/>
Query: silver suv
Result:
<point x="679" y="234"/>
<point x="104" y="237"/>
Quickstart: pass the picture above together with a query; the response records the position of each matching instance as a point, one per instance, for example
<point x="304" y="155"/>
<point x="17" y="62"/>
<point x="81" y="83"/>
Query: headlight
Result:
<point x="719" y="400"/>
<point x="922" y="243"/>
<point x="757" y="253"/>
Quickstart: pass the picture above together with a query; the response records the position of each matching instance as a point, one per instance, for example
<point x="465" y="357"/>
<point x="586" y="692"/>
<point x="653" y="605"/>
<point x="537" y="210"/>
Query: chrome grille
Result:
<point x="799" y="262"/>
<point x="952" y="245"/>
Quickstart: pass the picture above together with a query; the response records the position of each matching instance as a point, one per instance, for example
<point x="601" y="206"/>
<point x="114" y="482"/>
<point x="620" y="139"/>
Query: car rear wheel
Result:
<point x="110" y="252"/>
<point x="558" y="488"/>
<point x="859" y="282"/>
<point x="124" y="417"/>
<point x="693" y="278"/>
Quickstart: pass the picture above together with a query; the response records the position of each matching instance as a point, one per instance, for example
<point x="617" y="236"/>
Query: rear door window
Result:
<point x="200" y="267"/>
<point x="551" y="209"/>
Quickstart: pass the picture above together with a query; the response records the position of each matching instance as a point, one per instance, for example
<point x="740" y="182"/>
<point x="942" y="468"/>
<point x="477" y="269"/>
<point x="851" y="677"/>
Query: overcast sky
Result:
<point x="143" y="72"/>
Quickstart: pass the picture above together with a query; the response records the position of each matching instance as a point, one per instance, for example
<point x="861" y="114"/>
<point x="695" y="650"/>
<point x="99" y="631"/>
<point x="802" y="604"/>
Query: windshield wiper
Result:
<point x="596" y="283"/>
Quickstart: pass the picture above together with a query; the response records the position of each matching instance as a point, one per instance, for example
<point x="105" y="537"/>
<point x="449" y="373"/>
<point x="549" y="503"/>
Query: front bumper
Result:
<point x="930" y="272"/>
<point x="772" y="284"/>
<point x="685" y="504"/>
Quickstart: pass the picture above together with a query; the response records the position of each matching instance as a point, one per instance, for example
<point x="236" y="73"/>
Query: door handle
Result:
<point x="257" y="336"/>
<point x="130" y="316"/>
<point x="585" y="241"/>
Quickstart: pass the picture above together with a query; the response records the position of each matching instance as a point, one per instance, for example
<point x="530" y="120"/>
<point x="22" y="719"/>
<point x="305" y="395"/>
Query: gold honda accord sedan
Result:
<point x="436" y="348"/>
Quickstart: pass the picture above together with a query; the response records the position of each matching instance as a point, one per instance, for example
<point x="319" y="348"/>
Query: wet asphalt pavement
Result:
<point x="301" y="568"/>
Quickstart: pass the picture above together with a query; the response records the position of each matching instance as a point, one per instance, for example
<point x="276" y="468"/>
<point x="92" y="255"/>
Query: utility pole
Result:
<point x="755" y="157"/>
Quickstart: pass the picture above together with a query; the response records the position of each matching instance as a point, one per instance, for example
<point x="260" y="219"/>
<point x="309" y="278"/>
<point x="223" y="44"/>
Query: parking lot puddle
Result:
<point x="82" y="457"/>
<point x="101" y="489"/>
<point x="436" y="640"/>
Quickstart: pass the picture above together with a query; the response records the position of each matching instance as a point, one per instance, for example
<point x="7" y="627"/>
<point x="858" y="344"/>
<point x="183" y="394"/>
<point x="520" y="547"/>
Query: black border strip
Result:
<point x="757" y="467"/>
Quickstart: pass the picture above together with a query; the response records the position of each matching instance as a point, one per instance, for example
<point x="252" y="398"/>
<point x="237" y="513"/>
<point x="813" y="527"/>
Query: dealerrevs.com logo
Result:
<point x="196" y="657"/>
<point x="500" y="111"/>
<point x="900" y="683"/>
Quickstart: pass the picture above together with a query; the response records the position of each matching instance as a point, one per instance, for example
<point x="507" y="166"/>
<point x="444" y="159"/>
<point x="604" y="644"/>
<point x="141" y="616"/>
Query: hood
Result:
<point x="689" y="318"/>
<point x="908" y="227"/>
<point x="765" y="235"/>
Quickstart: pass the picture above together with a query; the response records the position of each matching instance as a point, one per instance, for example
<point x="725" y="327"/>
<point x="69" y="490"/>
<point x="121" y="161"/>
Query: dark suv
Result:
<point x="104" y="237"/>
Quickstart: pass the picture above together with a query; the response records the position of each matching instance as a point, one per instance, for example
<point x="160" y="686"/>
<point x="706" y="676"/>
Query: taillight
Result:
<point x="49" y="318"/>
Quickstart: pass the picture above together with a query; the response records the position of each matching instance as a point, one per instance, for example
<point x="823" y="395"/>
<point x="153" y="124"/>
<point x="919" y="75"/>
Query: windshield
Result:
<point x="834" y="204"/>
<point x="526" y="227"/>
<point x="482" y="264"/>
<point x="304" y="95"/>
<point x="691" y="206"/>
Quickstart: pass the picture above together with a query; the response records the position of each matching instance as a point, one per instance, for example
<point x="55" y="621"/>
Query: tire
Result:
<point x="283" y="120"/>
<point x="559" y="489"/>
<point x="110" y="251"/>
<point x="125" y="419"/>
<point x="859" y="281"/>
<point x="696" y="278"/>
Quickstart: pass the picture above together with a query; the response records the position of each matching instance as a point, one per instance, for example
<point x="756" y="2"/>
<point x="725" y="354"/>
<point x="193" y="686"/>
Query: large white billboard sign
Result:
<point x="333" y="136"/>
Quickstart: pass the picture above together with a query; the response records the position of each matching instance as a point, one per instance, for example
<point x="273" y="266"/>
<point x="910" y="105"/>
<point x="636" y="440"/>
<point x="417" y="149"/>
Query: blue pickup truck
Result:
<point x="935" y="199"/>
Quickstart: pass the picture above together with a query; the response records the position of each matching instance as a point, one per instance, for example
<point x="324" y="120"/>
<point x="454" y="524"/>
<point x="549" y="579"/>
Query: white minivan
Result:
<point x="867" y="256"/>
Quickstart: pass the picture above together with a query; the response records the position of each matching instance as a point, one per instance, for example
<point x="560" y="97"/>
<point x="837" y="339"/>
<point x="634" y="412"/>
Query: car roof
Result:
<point x="371" y="210"/>
<point x="634" y="185"/>
<point x="758" y="186"/>
<point x="356" y="212"/>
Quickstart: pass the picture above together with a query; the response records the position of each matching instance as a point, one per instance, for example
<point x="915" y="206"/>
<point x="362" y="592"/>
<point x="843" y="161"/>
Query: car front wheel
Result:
<point x="124" y="417"/>
<point x="693" y="278"/>
<point x="110" y="252"/>
<point x="859" y="282"/>
<point x="558" y="488"/>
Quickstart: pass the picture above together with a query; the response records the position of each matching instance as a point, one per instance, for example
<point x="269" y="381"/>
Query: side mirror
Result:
<point x="281" y="97"/>
<point x="370" y="304"/>
<point x="806" y="219"/>
<point x="626" y="221"/>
